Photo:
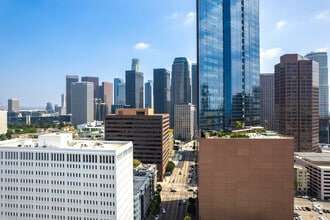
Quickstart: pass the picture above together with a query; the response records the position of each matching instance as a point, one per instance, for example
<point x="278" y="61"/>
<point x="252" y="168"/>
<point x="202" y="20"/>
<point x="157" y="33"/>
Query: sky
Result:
<point x="42" y="41"/>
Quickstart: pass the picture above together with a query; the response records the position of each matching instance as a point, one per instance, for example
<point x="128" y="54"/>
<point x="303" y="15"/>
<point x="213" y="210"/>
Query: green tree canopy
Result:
<point x="170" y="166"/>
<point x="136" y="162"/>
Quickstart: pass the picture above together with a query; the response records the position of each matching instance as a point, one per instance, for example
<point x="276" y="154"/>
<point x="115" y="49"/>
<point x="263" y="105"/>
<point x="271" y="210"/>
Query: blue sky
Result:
<point x="41" y="41"/>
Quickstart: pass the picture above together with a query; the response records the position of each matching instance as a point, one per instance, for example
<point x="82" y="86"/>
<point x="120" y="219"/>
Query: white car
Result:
<point x="163" y="210"/>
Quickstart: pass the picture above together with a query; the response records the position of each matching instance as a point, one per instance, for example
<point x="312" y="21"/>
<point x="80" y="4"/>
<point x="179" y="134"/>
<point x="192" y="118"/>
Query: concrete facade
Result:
<point x="3" y="121"/>
<point x="56" y="177"/>
<point x="297" y="101"/>
<point x="245" y="178"/>
<point x="149" y="133"/>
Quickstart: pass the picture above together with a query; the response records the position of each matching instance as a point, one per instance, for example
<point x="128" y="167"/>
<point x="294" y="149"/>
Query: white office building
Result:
<point x="185" y="121"/>
<point x="3" y="121"/>
<point x="318" y="168"/>
<point x="56" y="177"/>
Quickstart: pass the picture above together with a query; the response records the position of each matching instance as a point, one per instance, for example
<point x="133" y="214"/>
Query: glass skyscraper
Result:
<point x="228" y="63"/>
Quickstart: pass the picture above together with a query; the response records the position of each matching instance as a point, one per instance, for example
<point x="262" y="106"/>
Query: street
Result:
<point x="175" y="187"/>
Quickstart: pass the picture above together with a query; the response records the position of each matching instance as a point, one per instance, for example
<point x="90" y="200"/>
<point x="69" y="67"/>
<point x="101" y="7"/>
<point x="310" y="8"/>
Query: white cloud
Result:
<point x="321" y="49"/>
<point x="190" y="18"/>
<point x="141" y="46"/>
<point x="270" y="53"/>
<point x="268" y="58"/>
<point x="281" y="24"/>
<point x="323" y="15"/>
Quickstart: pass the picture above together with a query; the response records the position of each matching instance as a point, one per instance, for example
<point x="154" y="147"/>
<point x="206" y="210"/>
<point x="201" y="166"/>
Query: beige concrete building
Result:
<point x="148" y="131"/>
<point x="301" y="179"/>
<point x="3" y="122"/>
<point x="246" y="178"/>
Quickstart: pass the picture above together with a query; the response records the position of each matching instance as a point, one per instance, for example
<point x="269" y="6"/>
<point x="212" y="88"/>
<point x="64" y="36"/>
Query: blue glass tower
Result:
<point x="228" y="63"/>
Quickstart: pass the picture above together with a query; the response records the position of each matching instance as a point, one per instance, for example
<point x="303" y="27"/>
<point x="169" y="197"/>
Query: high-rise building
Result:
<point x="134" y="87"/>
<point x="297" y="101"/>
<point x="267" y="101"/>
<point x="322" y="59"/>
<point x="13" y="105"/>
<point x="194" y="84"/>
<point x="136" y="64"/>
<point x="69" y="80"/>
<point x="63" y="104"/>
<point x="106" y="94"/>
<point x="245" y="178"/>
<point x="162" y="90"/>
<point x="95" y="81"/>
<point x="119" y="91"/>
<point x="55" y="177"/>
<point x="148" y="131"/>
<point x="82" y="102"/>
<point x="49" y="107"/>
<point x="148" y="94"/>
<point x="180" y="84"/>
<point x="228" y="63"/>
<point x="3" y="122"/>
<point x="185" y="122"/>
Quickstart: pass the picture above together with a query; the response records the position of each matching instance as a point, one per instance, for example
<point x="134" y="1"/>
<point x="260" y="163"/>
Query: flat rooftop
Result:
<point x="319" y="159"/>
<point x="56" y="141"/>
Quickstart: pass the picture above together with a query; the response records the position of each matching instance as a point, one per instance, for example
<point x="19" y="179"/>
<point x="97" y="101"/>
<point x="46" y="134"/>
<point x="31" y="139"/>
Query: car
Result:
<point x="156" y="217"/>
<point x="308" y="209"/>
<point x="184" y="201"/>
<point x="180" y="173"/>
<point x="190" y="190"/>
<point x="173" y="190"/>
<point x="163" y="210"/>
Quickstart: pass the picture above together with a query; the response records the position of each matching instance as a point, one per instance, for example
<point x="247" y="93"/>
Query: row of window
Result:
<point x="44" y="156"/>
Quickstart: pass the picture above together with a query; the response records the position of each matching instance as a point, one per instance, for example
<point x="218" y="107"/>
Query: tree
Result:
<point x="187" y="218"/>
<point x="136" y="162"/>
<point x="158" y="188"/>
<point x="3" y="137"/>
<point x="239" y="125"/>
<point x="191" y="209"/>
<point x="170" y="166"/>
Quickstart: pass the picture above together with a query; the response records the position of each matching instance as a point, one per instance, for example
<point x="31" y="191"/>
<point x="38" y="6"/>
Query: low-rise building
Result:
<point x="3" y="121"/>
<point x="301" y="178"/>
<point x="318" y="167"/>
<point x="56" y="177"/>
<point x="249" y="178"/>
<point x="145" y="177"/>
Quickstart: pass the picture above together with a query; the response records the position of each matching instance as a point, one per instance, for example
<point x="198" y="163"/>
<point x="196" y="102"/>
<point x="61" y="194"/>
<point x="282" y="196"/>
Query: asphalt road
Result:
<point x="182" y="179"/>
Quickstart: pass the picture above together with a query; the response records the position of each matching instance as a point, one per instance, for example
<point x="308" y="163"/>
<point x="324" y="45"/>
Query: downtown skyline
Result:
<point x="42" y="41"/>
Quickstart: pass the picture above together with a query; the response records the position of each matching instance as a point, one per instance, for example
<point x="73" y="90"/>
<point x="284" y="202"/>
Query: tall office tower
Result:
<point x="3" y="122"/>
<point x="194" y="84"/>
<point x="135" y="64"/>
<point x="119" y="91"/>
<point x="322" y="59"/>
<point x="267" y="101"/>
<point x="13" y="105"/>
<point x="148" y="131"/>
<point x="69" y="80"/>
<point x="245" y="178"/>
<point x="297" y="101"/>
<point x="55" y="177"/>
<point x="49" y="107"/>
<point x="82" y="102"/>
<point x="95" y="81"/>
<point x="228" y="63"/>
<point x="134" y="87"/>
<point x="100" y="110"/>
<point x="185" y="119"/>
<point x="106" y="95"/>
<point x="63" y="104"/>
<point x="162" y="90"/>
<point x="148" y="94"/>
<point x="180" y="84"/>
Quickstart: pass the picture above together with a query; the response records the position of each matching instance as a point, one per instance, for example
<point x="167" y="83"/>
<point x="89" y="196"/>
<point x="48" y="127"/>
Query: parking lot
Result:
<point x="300" y="205"/>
